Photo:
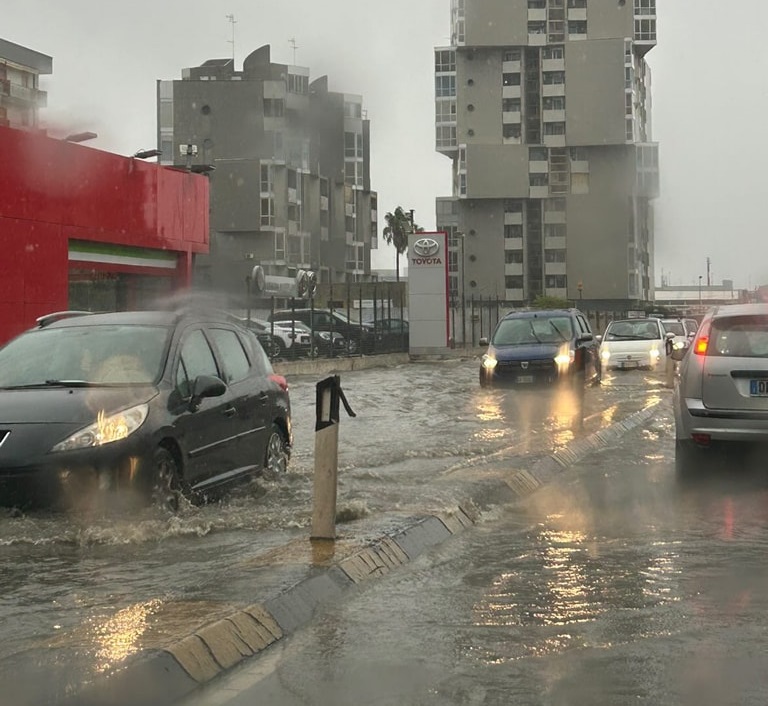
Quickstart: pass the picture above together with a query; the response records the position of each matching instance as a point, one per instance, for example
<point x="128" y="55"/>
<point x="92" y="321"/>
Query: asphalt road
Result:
<point x="615" y="585"/>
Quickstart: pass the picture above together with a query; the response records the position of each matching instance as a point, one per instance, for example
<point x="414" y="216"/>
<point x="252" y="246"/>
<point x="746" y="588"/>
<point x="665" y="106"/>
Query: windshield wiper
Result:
<point x="533" y="332"/>
<point x="623" y="335"/>
<point x="559" y="332"/>
<point x="50" y="383"/>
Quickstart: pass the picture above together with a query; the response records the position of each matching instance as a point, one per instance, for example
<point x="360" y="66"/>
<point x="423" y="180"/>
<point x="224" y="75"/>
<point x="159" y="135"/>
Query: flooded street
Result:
<point x="615" y="586"/>
<point x="81" y="592"/>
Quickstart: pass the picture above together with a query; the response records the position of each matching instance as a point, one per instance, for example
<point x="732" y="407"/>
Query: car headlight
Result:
<point x="489" y="362"/>
<point x="655" y="353"/>
<point x="325" y="335"/>
<point x="565" y="358"/>
<point x="106" y="429"/>
<point x="605" y="354"/>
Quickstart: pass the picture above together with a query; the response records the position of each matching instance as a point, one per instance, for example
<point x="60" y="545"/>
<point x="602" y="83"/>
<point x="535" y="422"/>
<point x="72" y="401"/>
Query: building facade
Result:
<point x="291" y="185"/>
<point x="20" y="94"/>
<point x="544" y="108"/>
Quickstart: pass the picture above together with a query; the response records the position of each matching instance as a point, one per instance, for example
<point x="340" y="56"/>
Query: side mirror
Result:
<point x="585" y="337"/>
<point x="679" y="353"/>
<point x="670" y="336"/>
<point x="599" y="338"/>
<point x="483" y="341"/>
<point x="205" y="386"/>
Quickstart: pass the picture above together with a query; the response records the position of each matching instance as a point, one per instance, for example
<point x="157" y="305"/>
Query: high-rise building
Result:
<point x="290" y="188"/>
<point x="544" y="107"/>
<point x="20" y="95"/>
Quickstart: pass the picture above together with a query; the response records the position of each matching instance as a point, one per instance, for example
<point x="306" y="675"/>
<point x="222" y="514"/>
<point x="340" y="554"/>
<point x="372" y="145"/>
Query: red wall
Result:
<point x="52" y="191"/>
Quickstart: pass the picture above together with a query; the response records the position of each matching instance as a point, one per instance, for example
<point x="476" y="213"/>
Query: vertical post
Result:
<point x="360" y="315"/>
<point x="463" y="298"/>
<point x="472" y="320"/>
<point x="326" y="459"/>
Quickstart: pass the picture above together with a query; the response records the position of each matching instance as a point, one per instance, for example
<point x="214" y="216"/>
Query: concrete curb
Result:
<point x="323" y="366"/>
<point x="163" y="676"/>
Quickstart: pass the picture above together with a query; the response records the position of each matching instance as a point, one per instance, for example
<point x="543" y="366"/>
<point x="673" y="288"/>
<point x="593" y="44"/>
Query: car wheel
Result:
<point x="278" y="348"/>
<point x="276" y="455"/>
<point x="689" y="460"/>
<point x="352" y="346"/>
<point x="166" y="491"/>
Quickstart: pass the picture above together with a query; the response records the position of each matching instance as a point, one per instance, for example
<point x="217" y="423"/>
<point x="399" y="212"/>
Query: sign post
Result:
<point x="428" y="293"/>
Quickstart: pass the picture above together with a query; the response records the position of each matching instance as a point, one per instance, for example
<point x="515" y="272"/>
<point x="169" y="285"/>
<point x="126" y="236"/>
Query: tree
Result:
<point x="396" y="232"/>
<point x="547" y="302"/>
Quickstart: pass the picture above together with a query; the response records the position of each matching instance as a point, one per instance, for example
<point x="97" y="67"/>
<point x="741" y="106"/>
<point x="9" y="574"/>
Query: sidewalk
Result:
<point x="313" y="573"/>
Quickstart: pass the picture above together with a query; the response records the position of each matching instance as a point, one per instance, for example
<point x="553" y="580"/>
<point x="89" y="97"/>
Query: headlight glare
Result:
<point x="489" y="362"/>
<point x="106" y="429"/>
<point x="605" y="354"/>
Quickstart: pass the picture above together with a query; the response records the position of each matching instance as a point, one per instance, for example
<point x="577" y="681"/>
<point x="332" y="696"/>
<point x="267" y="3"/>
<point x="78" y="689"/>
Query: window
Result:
<point x="445" y="111"/>
<point x="512" y="131"/>
<point x="538" y="154"/>
<point x="445" y="86"/>
<point x="279" y="246"/>
<point x="513" y="206"/>
<point x="554" y="206"/>
<point x="196" y="359"/>
<point x="445" y="60"/>
<point x="554" y="128"/>
<point x="537" y="4"/>
<point x="511" y="79"/>
<point x="554" y="230"/>
<point x="513" y="257"/>
<point x="291" y="178"/>
<point x="353" y="110"/>
<point x="512" y="55"/>
<point x="446" y="136"/>
<point x="513" y="282"/>
<point x="551" y="78"/>
<point x="645" y="7"/>
<point x="267" y="212"/>
<point x="266" y="179"/>
<point x="513" y="231"/>
<point x="579" y="154"/>
<point x="577" y="26"/>
<point x="511" y="105"/>
<point x="233" y="358"/>
<point x="349" y="144"/>
<point x="539" y="179"/>
<point x="577" y="3"/>
<point x="274" y="108"/>
<point x="555" y="281"/>
<point x="554" y="256"/>
<point x="554" y="102"/>
<point x="298" y="84"/>
<point x="553" y="53"/>
<point x="537" y="27"/>
<point x="645" y="30"/>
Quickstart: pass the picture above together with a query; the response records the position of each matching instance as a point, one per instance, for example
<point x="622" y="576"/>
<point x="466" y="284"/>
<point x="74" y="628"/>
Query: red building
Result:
<point x="86" y="229"/>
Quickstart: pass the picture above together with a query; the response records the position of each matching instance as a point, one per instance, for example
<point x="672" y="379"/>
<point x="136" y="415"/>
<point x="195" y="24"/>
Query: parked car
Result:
<point x="393" y="333"/>
<point x="360" y="337"/>
<point x="634" y="343"/>
<point x="681" y="330"/>
<point x="721" y="391"/>
<point x="541" y="347"/>
<point x="165" y="403"/>
<point x="278" y="339"/>
<point x="325" y="342"/>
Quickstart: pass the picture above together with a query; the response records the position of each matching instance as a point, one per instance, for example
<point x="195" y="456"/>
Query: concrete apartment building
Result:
<point x="544" y="108"/>
<point x="20" y="95"/>
<point x="291" y="185"/>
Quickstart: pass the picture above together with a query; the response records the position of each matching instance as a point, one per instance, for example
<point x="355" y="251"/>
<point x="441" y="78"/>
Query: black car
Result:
<point x="164" y="403"/>
<point x="392" y="333"/>
<point x="537" y="347"/>
<point x="360" y="337"/>
<point x="325" y="343"/>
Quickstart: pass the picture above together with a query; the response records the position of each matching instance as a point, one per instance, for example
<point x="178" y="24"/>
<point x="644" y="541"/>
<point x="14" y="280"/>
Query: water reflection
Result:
<point x="118" y="637"/>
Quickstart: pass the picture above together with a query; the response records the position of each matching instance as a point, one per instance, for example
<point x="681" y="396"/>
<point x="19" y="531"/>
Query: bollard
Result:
<point x="670" y="382"/>
<point x="328" y="396"/>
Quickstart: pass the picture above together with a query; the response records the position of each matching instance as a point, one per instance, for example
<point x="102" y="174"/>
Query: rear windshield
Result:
<point x="103" y="354"/>
<point x="516" y="332"/>
<point x="739" y="337"/>
<point x="675" y="327"/>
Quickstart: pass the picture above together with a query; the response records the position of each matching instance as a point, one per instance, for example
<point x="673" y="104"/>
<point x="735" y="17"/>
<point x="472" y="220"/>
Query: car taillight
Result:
<point x="702" y="340"/>
<point x="280" y="380"/>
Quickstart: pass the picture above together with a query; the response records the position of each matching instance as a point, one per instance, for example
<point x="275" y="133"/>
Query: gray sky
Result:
<point x="710" y="98"/>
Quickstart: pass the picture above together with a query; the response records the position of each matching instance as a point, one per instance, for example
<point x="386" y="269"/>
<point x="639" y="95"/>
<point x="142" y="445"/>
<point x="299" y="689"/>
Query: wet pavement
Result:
<point x="615" y="585"/>
<point x="80" y="593"/>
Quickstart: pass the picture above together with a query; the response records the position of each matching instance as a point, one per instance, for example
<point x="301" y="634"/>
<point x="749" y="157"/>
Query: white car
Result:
<point x="634" y="343"/>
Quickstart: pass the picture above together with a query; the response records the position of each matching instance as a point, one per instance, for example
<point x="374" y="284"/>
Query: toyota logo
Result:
<point x="426" y="247"/>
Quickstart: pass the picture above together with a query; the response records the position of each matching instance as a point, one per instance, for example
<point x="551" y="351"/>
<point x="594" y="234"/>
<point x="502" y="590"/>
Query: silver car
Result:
<point x="721" y="390"/>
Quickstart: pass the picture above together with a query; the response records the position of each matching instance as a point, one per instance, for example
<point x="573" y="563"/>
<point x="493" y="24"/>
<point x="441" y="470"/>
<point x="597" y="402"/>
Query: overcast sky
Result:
<point x="710" y="83"/>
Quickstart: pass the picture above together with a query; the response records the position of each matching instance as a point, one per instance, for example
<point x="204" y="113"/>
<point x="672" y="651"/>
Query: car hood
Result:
<point x="75" y="406"/>
<point x="528" y="351"/>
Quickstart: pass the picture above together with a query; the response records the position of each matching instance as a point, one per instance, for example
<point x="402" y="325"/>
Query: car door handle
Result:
<point x="230" y="412"/>
<point x="263" y="397"/>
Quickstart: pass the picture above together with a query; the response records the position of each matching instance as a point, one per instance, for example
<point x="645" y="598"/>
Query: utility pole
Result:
<point x="709" y="272"/>
<point x="294" y="46"/>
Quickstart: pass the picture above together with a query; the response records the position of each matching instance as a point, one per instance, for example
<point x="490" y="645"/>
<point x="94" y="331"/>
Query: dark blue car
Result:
<point x="541" y="347"/>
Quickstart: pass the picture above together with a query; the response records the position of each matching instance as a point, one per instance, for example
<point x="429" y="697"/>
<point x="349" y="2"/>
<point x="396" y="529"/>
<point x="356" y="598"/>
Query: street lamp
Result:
<point x="80" y="136"/>
<point x="700" y="277"/>
<point x="463" y="295"/>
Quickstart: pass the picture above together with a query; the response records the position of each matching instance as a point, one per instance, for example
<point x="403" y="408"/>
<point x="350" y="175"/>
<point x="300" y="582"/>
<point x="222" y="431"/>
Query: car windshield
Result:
<point x="739" y="337"/>
<point x="675" y="327"/>
<point x="527" y="330"/>
<point x="639" y="329"/>
<point x="104" y="354"/>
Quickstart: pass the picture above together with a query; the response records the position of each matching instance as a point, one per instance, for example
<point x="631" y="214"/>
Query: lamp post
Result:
<point x="463" y="297"/>
<point x="700" y="277"/>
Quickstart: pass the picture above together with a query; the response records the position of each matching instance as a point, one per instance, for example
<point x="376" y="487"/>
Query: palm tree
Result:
<point x="399" y="226"/>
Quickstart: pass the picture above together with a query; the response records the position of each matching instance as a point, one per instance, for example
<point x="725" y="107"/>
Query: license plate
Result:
<point x="758" y="388"/>
<point x="629" y="364"/>
<point x="525" y="379"/>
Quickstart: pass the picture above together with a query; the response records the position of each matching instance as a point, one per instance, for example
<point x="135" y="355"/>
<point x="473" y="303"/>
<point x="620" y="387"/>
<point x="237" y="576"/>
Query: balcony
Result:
<point x="577" y="13"/>
<point x="513" y="268"/>
<point x="538" y="167"/>
<point x="554" y="140"/>
<point x="511" y="67"/>
<point x="553" y="116"/>
<point x="554" y="242"/>
<point x="512" y="118"/>
<point x="539" y="192"/>
<point x="537" y="40"/>
<point x="513" y="219"/>
<point x="553" y="65"/>
<point x="554" y="268"/>
<point x="537" y="14"/>
<point x="553" y="89"/>
<point x="511" y="91"/>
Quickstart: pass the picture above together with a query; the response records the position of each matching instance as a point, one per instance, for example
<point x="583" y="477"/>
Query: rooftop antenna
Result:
<point x="293" y="44"/>
<point x="233" y="22"/>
